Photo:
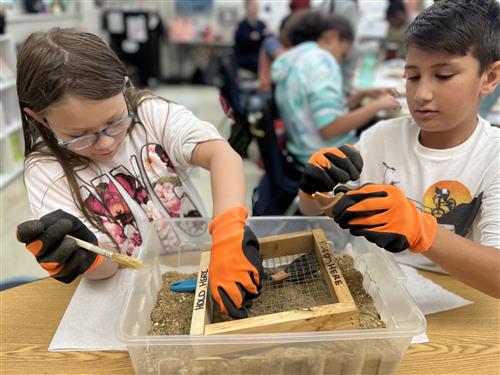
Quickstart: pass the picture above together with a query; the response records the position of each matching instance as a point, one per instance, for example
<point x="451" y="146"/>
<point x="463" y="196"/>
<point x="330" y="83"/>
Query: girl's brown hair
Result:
<point x="63" y="62"/>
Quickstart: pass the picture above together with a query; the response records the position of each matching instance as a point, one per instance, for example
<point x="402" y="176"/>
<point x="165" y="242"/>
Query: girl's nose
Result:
<point x="104" y="142"/>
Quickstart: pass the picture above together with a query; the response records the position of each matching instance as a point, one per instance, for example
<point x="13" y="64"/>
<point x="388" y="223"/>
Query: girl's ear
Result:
<point x="331" y="37"/>
<point x="34" y="116"/>
<point x="492" y="79"/>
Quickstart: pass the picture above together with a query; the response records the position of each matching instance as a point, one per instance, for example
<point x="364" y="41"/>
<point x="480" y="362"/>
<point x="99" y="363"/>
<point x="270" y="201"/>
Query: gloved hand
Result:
<point x="383" y="215"/>
<point x="60" y="256"/>
<point x="235" y="271"/>
<point x="330" y="166"/>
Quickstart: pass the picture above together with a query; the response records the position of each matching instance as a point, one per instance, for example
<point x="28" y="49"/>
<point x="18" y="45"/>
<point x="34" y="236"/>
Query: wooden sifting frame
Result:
<point x="342" y="314"/>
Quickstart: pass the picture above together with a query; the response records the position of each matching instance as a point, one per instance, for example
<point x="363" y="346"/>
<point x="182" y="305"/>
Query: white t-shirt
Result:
<point x="147" y="178"/>
<point x="460" y="186"/>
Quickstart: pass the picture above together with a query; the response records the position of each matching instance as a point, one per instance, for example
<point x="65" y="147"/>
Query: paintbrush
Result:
<point x="123" y="261"/>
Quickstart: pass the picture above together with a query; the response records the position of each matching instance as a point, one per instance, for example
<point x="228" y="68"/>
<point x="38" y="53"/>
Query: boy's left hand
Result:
<point x="235" y="271"/>
<point x="383" y="215"/>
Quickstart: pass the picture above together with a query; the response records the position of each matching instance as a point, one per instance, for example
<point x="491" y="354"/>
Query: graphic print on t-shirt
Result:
<point x="167" y="188"/>
<point x="452" y="204"/>
<point x="449" y="201"/>
<point x="115" y="214"/>
<point x="154" y="186"/>
<point x="132" y="184"/>
<point x="390" y="175"/>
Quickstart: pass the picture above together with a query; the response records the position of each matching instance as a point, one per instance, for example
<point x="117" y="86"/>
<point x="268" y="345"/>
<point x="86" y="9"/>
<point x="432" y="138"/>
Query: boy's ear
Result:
<point x="34" y="116"/>
<point x="492" y="79"/>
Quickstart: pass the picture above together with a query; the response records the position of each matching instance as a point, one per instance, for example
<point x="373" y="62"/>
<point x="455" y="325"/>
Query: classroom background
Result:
<point x="184" y="51"/>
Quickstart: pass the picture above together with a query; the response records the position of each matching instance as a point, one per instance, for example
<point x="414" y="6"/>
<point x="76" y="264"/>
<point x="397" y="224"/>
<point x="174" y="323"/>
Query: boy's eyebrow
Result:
<point x="433" y="66"/>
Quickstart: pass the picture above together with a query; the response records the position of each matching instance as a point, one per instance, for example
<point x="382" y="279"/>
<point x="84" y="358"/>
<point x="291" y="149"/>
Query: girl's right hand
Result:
<point x="388" y="101"/>
<point x="61" y="257"/>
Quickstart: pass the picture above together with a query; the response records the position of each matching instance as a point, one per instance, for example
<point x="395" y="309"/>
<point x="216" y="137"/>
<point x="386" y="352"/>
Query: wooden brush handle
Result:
<point x="326" y="201"/>
<point x="91" y="247"/>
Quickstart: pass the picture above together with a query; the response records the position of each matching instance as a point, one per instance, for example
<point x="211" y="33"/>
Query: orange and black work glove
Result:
<point x="330" y="166"/>
<point x="60" y="256"/>
<point x="235" y="271"/>
<point x="383" y="215"/>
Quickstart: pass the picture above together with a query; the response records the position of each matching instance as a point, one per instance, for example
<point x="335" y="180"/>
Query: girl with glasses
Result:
<point x="103" y="159"/>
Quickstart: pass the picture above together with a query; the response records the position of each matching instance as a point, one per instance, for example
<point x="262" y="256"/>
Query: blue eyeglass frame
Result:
<point x="98" y="134"/>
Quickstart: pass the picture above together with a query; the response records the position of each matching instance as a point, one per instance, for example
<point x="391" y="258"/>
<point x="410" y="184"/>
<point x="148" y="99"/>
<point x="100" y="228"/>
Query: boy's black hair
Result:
<point x="459" y="27"/>
<point x="310" y="24"/>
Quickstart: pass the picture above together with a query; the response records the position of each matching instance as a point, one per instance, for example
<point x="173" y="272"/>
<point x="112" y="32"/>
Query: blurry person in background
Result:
<point x="348" y="9"/>
<point x="298" y="5"/>
<point x="248" y="37"/>
<point x="272" y="47"/>
<point x="309" y="94"/>
<point x="487" y="104"/>
<point x="398" y="20"/>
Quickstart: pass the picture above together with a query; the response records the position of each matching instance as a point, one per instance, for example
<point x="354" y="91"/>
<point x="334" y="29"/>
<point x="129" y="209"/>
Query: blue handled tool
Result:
<point x="184" y="286"/>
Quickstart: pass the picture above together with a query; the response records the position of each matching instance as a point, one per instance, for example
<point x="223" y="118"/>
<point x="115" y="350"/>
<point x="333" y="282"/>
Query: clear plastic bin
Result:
<point x="349" y="352"/>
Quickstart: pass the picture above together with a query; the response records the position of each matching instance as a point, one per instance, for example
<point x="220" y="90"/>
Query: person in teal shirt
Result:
<point x="308" y="86"/>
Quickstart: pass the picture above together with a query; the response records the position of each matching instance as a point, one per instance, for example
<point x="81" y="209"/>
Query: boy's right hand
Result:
<point x="330" y="166"/>
<point x="60" y="256"/>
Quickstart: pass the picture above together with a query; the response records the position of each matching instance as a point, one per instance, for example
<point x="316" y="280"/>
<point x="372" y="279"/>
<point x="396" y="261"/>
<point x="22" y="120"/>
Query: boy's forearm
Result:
<point x="352" y="120"/>
<point x="475" y="265"/>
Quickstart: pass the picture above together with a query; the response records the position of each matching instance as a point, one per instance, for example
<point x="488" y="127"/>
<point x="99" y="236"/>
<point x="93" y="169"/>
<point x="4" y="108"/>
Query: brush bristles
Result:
<point x="126" y="262"/>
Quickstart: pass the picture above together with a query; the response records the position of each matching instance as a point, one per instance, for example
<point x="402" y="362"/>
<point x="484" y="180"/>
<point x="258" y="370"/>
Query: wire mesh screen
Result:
<point x="290" y="282"/>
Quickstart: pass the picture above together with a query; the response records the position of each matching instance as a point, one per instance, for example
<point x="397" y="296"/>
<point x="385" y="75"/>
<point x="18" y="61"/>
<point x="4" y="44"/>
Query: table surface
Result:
<point x="462" y="341"/>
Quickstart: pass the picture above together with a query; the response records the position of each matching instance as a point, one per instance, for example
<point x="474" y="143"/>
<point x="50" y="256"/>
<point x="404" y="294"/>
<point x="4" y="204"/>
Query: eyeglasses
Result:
<point x="114" y="129"/>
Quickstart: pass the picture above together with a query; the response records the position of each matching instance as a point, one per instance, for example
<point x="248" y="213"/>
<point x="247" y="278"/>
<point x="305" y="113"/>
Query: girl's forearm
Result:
<point x="228" y="181"/>
<point x="349" y="121"/>
<point x="475" y="265"/>
<point x="106" y="269"/>
<point x="355" y="99"/>
<point x="226" y="173"/>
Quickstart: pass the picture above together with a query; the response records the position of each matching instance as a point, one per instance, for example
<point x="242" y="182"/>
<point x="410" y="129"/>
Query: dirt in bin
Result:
<point x="172" y="313"/>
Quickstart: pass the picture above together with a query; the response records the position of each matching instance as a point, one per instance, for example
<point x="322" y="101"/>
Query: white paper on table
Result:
<point x="430" y="297"/>
<point x="90" y="320"/>
<point x="420" y="339"/>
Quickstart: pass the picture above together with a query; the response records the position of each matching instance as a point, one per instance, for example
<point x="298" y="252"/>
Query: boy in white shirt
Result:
<point x="439" y="166"/>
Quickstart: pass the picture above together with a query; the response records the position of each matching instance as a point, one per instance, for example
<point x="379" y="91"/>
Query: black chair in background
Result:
<point x="239" y="100"/>
<point x="254" y="114"/>
<point x="276" y="193"/>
